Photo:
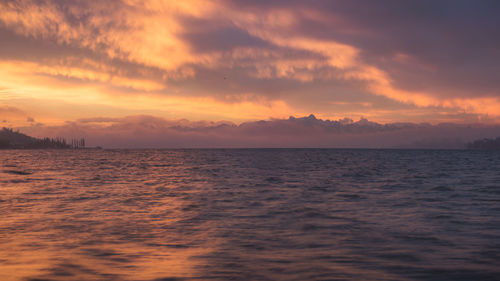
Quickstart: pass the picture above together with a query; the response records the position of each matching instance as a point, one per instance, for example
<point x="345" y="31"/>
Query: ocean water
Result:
<point x="256" y="214"/>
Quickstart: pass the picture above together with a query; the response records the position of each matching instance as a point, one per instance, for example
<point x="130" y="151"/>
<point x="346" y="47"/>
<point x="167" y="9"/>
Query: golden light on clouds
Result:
<point x="210" y="59"/>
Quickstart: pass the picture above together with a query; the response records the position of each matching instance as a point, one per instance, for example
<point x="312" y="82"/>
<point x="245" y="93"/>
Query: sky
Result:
<point x="98" y="64"/>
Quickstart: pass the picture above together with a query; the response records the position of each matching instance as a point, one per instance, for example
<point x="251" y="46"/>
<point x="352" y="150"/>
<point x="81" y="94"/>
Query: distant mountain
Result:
<point x="486" y="144"/>
<point x="10" y="139"/>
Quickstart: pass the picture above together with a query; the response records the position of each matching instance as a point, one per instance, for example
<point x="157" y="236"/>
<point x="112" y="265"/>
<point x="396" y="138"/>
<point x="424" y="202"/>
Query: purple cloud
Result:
<point x="153" y="132"/>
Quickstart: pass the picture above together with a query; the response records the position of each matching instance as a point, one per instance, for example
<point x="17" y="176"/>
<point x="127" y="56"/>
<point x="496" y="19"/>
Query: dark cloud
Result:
<point x="453" y="45"/>
<point x="207" y="36"/>
<point x="252" y="51"/>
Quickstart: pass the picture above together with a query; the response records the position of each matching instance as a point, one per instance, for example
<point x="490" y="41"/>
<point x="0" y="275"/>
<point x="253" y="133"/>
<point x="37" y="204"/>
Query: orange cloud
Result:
<point x="28" y="82"/>
<point x="147" y="37"/>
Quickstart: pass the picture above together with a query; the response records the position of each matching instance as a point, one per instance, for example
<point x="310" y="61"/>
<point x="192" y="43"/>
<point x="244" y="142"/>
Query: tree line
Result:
<point x="489" y="144"/>
<point x="14" y="139"/>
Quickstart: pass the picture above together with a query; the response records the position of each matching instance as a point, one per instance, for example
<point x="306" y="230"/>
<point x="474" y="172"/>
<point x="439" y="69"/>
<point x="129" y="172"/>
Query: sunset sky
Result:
<point x="239" y="61"/>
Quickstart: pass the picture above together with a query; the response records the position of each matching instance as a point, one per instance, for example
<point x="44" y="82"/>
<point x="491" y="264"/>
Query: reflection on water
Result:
<point x="249" y="215"/>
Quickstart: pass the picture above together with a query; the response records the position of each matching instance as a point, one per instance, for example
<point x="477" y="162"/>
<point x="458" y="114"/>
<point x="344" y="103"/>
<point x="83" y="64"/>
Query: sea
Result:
<point x="249" y="214"/>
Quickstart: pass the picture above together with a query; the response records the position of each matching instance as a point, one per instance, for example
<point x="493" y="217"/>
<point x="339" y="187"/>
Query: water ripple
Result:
<point x="284" y="214"/>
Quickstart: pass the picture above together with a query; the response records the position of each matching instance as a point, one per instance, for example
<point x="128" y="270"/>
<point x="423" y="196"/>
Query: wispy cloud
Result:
<point x="400" y="57"/>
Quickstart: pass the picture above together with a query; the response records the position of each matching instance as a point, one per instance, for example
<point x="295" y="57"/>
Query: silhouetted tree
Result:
<point x="486" y="144"/>
<point x="14" y="139"/>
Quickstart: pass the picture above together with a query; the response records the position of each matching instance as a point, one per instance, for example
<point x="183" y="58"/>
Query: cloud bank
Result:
<point x="153" y="132"/>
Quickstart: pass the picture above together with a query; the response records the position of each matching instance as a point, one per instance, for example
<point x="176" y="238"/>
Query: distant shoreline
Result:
<point x="10" y="139"/>
<point x="51" y="148"/>
<point x="261" y="148"/>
